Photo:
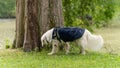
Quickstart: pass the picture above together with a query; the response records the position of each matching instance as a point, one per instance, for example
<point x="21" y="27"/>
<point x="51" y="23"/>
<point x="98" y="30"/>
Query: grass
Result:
<point x="107" y="58"/>
<point x="111" y="35"/>
<point x="19" y="59"/>
<point x="7" y="31"/>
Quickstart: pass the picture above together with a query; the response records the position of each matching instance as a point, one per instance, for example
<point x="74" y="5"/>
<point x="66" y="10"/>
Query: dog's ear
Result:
<point x="42" y="42"/>
<point x="54" y="33"/>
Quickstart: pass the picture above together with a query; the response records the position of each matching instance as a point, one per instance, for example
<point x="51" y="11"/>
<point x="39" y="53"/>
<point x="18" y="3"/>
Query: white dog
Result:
<point x="82" y="37"/>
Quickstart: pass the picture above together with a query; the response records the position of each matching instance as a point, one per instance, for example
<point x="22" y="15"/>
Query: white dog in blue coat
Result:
<point x="84" y="39"/>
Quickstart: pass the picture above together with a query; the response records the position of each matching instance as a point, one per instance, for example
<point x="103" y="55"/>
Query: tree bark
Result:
<point x="33" y="18"/>
<point x="55" y="13"/>
<point x="50" y="14"/>
<point x="32" y="36"/>
<point x="43" y="11"/>
<point x="19" y="36"/>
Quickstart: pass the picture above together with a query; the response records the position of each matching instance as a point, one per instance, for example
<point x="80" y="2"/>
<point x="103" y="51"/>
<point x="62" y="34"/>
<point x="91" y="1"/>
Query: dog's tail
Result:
<point x="94" y="42"/>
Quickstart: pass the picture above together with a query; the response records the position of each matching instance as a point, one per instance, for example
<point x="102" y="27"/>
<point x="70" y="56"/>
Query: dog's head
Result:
<point x="44" y="41"/>
<point x="47" y="37"/>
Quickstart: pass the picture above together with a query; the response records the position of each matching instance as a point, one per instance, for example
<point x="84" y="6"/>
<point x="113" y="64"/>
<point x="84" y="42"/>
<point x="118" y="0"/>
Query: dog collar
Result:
<point x="55" y="34"/>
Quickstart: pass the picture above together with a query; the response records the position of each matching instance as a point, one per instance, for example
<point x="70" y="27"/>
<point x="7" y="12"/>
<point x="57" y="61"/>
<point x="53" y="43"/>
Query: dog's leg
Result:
<point x="54" y="49"/>
<point x="83" y="43"/>
<point x="67" y="47"/>
<point x="82" y="47"/>
<point x="82" y="51"/>
<point x="55" y="44"/>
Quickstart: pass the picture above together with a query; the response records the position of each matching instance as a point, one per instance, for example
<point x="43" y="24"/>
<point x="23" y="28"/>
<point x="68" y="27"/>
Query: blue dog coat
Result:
<point x="68" y="34"/>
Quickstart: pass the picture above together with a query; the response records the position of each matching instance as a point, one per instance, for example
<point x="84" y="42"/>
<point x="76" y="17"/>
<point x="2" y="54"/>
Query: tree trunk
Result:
<point x="43" y="11"/>
<point x="19" y="37"/>
<point x="55" y="13"/>
<point x="32" y="36"/>
<point x="50" y="14"/>
<point x="33" y="18"/>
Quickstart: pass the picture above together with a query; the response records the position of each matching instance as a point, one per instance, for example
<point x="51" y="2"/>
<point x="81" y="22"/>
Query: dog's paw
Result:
<point x="67" y="53"/>
<point x="50" y="53"/>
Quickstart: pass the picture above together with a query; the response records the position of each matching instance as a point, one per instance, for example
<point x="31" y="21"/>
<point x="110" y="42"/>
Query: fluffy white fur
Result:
<point x="47" y="37"/>
<point x="87" y="42"/>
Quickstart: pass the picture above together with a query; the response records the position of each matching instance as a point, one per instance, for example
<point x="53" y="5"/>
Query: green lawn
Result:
<point x="19" y="59"/>
<point x="108" y="57"/>
<point x="7" y="31"/>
